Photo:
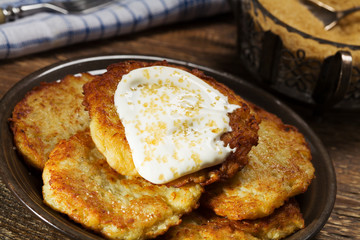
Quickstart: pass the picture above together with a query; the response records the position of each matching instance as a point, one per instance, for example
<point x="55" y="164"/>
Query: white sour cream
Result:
<point x="173" y="122"/>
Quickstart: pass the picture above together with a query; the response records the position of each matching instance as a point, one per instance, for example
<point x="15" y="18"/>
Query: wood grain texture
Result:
<point x="340" y="133"/>
<point x="212" y="43"/>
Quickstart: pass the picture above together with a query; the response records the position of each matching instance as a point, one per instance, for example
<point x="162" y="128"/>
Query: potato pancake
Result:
<point x="108" y="132"/>
<point x="202" y="225"/>
<point x="48" y="113"/>
<point x="279" y="167"/>
<point x="79" y="182"/>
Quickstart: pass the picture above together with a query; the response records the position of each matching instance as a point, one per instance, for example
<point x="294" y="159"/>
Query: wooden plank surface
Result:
<point x="212" y="43"/>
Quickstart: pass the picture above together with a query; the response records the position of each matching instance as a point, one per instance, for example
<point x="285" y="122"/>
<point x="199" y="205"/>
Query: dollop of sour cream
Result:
<point x="173" y="121"/>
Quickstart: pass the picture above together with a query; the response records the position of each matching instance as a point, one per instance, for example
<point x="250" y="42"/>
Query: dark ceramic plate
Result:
<point x="316" y="204"/>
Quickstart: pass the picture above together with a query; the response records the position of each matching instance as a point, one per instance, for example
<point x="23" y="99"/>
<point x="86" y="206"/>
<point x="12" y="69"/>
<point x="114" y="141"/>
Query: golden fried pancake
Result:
<point x="108" y="132"/>
<point x="49" y="113"/>
<point x="200" y="225"/>
<point x="279" y="167"/>
<point x="79" y="182"/>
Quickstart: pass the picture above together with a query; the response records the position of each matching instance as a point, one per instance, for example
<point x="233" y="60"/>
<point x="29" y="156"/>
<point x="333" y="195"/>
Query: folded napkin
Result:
<point x="45" y="31"/>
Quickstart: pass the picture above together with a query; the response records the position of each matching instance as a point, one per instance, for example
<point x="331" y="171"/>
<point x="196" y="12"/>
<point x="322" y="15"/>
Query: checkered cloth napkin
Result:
<point x="45" y="31"/>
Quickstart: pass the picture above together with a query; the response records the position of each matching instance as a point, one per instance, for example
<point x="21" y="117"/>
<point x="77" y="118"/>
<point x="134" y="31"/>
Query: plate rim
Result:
<point x="47" y="215"/>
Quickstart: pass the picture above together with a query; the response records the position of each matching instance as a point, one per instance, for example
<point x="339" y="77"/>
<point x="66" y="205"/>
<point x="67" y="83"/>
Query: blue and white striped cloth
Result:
<point x="45" y="31"/>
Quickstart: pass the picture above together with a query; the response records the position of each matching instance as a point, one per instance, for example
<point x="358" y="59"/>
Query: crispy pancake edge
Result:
<point x="270" y="178"/>
<point x="79" y="183"/>
<point x="201" y="224"/>
<point x="29" y="136"/>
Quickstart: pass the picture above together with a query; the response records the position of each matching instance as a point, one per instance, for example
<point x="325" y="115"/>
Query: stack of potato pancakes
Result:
<point x="71" y="131"/>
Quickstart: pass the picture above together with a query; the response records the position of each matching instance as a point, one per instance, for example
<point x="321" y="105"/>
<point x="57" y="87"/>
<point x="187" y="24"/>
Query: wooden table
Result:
<point x="212" y="43"/>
